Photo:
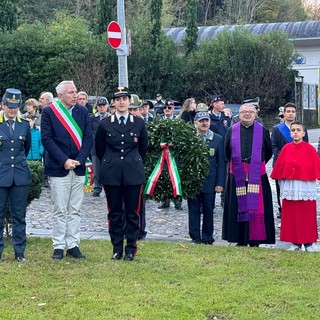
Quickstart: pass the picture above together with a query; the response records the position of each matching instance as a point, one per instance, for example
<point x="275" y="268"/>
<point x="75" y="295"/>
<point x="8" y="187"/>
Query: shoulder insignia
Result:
<point x="112" y="118"/>
<point x="131" y="118"/>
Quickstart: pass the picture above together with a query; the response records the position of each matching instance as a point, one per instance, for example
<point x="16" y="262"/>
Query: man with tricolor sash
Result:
<point x="67" y="138"/>
<point x="248" y="211"/>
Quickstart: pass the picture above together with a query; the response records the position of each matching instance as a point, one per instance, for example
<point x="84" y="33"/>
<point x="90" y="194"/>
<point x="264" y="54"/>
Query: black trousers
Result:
<point x="124" y="223"/>
<point x="17" y="196"/>
<point x="206" y="202"/>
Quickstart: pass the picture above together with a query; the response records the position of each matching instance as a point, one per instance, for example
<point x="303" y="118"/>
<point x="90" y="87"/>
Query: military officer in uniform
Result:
<point x="15" y="176"/>
<point x="121" y="144"/>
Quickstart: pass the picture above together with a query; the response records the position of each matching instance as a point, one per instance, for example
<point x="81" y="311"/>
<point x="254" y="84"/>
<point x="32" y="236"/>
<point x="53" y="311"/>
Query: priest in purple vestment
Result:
<point x="248" y="211"/>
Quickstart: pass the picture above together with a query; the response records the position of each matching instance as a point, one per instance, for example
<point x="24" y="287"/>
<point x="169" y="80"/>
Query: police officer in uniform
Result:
<point x="15" y="176"/>
<point x="121" y="144"/>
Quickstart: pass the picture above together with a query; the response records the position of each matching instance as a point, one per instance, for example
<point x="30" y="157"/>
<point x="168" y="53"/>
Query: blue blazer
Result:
<point x="13" y="153"/>
<point x="60" y="146"/>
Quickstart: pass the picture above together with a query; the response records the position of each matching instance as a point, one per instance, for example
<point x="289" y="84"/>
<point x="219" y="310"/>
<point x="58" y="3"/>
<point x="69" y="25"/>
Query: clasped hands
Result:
<point x="71" y="164"/>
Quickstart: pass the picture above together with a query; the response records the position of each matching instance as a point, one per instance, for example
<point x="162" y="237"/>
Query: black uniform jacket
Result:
<point x="121" y="151"/>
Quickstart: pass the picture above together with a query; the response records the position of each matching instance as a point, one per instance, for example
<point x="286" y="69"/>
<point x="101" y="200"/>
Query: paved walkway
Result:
<point x="164" y="224"/>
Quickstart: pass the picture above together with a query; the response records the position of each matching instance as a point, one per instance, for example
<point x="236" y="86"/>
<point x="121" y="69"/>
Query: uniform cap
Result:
<point x="121" y="91"/>
<point x="201" y="115"/>
<point x="101" y="101"/>
<point x="12" y="98"/>
<point x="218" y="97"/>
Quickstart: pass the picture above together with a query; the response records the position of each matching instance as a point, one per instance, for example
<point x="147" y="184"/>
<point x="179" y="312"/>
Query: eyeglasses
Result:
<point x="167" y="107"/>
<point x="247" y="112"/>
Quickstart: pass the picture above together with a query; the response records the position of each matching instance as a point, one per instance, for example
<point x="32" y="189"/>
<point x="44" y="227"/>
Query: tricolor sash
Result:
<point x="67" y="121"/>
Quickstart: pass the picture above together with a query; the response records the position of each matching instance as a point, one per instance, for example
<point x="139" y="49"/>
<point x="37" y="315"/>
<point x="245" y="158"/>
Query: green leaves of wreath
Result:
<point x="189" y="151"/>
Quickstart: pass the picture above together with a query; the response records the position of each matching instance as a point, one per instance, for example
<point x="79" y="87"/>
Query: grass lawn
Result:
<point x="167" y="280"/>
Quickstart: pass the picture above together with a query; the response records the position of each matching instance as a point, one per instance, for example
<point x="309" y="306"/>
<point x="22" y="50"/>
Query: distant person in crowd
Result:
<point x="280" y="136"/>
<point x="248" y="211"/>
<point x="201" y="107"/>
<point x="112" y="107"/>
<point x="168" y="110"/>
<point x="145" y="112"/>
<point x="15" y="176"/>
<point x="83" y="99"/>
<point x="135" y="110"/>
<point x="32" y="114"/>
<point x="45" y="99"/>
<point x="34" y="118"/>
<point x="281" y="115"/>
<point x="188" y="110"/>
<point x="121" y="145"/>
<point x="228" y="112"/>
<point x="67" y="138"/>
<point x="219" y="123"/>
<point x="297" y="169"/>
<point x="159" y="104"/>
<point x="214" y="182"/>
<point x="102" y="107"/>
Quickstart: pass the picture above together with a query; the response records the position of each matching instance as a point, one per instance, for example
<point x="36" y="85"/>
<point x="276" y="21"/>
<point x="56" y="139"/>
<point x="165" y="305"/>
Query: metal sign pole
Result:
<point x="122" y="52"/>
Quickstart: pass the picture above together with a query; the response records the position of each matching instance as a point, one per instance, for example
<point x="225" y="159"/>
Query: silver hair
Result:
<point x="48" y="95"/>
<point x="82" y="93"/>
<point x="61" y="87"/>
<point x="246" y="105"/>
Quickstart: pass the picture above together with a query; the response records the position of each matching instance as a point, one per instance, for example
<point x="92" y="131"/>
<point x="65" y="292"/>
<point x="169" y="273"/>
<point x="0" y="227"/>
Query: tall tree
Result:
<point x="312" y="8"/>
<point x="190" y="41"/>
<point x="8" y="14"/>
<point x="156" y="8"/>
<point x="105" y="13"/>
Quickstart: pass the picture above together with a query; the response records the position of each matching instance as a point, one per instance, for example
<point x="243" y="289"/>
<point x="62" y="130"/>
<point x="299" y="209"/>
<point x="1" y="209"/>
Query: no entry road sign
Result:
<point x="114" y="34"/>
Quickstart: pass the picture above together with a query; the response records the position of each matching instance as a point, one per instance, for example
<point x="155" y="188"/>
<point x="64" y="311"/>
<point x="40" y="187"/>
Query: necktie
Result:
<point x="145" y="119"/>
<point x="122" y="121"/>
<point x="10" y="122"/>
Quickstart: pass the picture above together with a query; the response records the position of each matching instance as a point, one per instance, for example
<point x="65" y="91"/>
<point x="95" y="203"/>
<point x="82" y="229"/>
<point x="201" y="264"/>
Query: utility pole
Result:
<point x="122" y="52"/>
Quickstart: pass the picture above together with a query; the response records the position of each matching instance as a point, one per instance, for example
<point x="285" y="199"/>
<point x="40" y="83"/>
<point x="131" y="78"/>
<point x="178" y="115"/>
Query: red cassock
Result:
<point x="298" y="217"/>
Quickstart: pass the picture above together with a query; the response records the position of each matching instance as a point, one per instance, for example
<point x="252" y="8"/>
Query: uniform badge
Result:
<point x="135" y="139"/>
<point x="225" y="123"/>
<point x="211" y="152"/>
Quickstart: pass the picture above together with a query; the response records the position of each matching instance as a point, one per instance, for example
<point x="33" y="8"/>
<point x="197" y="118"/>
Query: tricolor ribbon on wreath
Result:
<point x="75" y="132"/>
<point x="166" y="156"/>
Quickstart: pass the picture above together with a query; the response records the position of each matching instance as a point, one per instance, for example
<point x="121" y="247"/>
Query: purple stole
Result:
<point x="249" y="197"/>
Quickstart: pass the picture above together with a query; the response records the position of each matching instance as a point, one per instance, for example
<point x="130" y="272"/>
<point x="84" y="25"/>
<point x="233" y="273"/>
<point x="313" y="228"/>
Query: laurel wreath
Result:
<point x="189" y="151"/>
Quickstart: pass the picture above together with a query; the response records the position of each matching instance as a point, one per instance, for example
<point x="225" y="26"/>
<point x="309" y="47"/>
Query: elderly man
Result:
<point x="67" y="138"/>
<point x="213" y="183"/>
<point x="145" y="111"/>
<point x="15" y="177"/>
<point x="45" y="99"/>
<point x="83" y="99"/>
<point x="248" y="211"/>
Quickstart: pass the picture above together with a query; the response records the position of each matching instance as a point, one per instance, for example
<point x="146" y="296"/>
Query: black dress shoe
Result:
<point x="194" y="241"/>
<point x="96" y="194"/>
<point x="75" y="253"/>
<point x="128" y="257"/>
<point x="178" y="207"/>
<point x="57" y="254"/>
<point x="163" y="205"/>
<point x="20" y="257"/>
<point x="117" y="256"/>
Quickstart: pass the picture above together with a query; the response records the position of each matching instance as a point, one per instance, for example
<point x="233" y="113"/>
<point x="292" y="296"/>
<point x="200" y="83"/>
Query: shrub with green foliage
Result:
<point x="37" y="174"/>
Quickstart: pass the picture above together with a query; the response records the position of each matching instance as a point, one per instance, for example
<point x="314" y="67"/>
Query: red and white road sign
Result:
<point x="114" y="34"/>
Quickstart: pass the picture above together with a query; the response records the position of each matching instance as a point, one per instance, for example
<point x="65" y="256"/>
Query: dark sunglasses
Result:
<point x="167" y="107"/>
<point x="281" y="116"/>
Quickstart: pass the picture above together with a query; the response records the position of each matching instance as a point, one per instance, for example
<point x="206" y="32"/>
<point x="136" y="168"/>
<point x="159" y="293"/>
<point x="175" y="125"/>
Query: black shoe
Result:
<point x="96" y="194"/>
<point x="208" y="242"/>
<point x="57" y="254"/>
<point x="196" y="241"/>
<point x="75" y="253"/>
<point x="20" y="257"/>
<point x="178" y="207"/>
<point x="117" y="256"/>
<point x="141" y="238"/>
<point x="128" y="257"/>
<point x="46" y="184"/>
<point x="163" y="205"/>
